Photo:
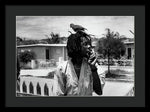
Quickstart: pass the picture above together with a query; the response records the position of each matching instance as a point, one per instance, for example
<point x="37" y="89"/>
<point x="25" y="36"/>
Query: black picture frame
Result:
<point x="11" y="11"/>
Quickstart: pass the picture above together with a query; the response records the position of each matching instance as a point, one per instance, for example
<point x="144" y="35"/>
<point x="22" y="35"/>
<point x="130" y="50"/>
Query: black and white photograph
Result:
<point x="75" y="56"/>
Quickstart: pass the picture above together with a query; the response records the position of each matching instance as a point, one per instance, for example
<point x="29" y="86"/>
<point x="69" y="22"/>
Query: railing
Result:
<point x="43" y="87"/>
<point x="43" y="63"/>
<point x="114" y="62"/>
<point x="131" y="92"/>
<point x="35" y="86"/>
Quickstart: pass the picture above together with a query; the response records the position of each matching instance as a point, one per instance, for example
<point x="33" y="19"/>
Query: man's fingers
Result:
<point x="93" y="62"/>
<point x="93" y="55"/>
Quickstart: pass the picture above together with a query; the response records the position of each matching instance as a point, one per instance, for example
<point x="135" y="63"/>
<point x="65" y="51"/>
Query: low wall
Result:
<point x="38" y="86"/>
<point x="131" y="92"/>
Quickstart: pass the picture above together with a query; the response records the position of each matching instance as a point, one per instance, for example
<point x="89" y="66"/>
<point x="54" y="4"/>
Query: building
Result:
<point x="46" y="51"/>
<point x="129" y="49"/>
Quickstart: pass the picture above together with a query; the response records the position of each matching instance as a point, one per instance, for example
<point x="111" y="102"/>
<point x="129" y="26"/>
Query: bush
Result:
<point x="26" y="56"/>
<point x="51" y="74"/>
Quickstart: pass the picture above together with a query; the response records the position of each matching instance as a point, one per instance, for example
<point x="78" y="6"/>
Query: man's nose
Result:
<point x="89" y="48"/>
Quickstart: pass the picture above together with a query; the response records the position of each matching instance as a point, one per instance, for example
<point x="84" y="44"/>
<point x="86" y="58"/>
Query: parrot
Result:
<point x="77" y="28"/>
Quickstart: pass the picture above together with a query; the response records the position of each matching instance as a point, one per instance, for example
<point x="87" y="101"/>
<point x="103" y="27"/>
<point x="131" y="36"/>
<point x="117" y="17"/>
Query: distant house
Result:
<point x="46" y="51"/>
<point x="129" y="45"/>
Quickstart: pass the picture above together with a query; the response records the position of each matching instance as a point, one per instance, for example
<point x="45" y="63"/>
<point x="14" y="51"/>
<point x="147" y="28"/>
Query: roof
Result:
<point x="41" y="45"/>
<point x="44" y="45"/>
<point x="128" y="42"/>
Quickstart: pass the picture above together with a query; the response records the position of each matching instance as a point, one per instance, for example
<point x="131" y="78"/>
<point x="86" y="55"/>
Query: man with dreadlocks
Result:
<point x="78" y="76"/>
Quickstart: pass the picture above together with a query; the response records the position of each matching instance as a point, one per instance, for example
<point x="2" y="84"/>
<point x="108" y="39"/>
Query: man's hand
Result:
<point x="93" y="58"/>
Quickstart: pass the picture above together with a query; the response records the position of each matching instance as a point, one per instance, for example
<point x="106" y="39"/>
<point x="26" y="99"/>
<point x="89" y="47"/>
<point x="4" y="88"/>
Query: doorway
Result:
<point x="129" y="53"/>
<point x="47" y="54"/>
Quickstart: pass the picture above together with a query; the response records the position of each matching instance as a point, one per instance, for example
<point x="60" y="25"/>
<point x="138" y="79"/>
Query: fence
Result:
<point x="114" y="62"/>
<point x="35" y="86"/>
<point x="43" y="63"/>
<point x="41" y="87"/>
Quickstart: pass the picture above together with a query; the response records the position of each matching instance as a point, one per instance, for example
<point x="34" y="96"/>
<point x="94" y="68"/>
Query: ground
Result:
<point x="118" y="88"/>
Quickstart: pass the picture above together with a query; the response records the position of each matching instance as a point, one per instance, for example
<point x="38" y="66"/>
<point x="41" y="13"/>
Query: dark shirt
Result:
<point x="96" y="81"/>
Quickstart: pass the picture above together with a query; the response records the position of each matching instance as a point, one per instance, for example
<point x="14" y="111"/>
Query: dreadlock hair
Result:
<point x="74" y="46"/>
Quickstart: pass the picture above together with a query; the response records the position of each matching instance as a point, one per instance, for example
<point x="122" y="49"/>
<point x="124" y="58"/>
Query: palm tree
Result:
<point x="53" y="38"/>
<point x="111" y="46"/>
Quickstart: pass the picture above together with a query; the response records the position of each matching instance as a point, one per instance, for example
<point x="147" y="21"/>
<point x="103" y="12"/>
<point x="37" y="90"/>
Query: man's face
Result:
<point x="85" y="46"/>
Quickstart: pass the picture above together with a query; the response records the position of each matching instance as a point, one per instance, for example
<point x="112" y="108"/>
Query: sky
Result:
<point x="36" y="27"/>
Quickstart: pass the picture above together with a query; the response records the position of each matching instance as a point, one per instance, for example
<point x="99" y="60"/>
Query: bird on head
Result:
<point x="77" y="28"/>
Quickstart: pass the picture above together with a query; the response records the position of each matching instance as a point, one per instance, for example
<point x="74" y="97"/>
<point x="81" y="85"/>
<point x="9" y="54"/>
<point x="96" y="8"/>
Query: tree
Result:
<point x="19" y="40"/>
<point x="111" y="46"/>
<point x="53" y="38"/>
<point x="24" y="41"/>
